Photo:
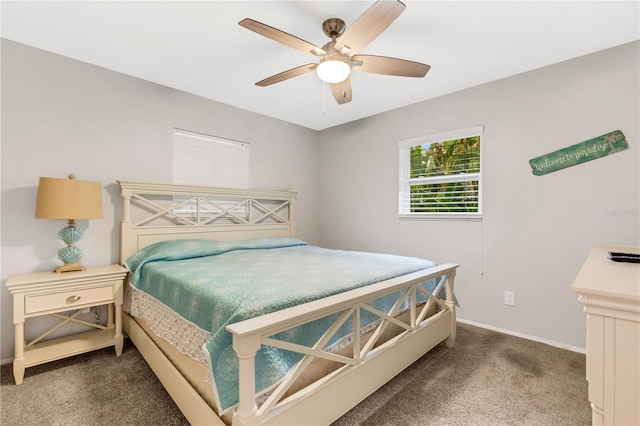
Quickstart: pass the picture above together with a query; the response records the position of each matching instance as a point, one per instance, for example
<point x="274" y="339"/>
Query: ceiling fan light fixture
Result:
<point x="333" y="69"/>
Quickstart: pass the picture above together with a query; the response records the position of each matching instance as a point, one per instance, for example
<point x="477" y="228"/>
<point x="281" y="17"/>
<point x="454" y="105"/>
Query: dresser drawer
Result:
<point x="69" y="299"/>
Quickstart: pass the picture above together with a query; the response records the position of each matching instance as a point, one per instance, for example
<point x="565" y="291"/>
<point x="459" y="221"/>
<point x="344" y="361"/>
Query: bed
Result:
<point x="292" y="362"/>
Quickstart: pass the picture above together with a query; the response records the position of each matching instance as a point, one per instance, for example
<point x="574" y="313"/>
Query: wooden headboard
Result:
<point x="153" y="212"/>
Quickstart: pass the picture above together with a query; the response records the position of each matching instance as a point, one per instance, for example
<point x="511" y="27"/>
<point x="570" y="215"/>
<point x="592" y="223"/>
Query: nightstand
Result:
<point x="46" y="293"/>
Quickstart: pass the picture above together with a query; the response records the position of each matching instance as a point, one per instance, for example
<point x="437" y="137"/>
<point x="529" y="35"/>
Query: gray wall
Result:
<point x="61" y="116"/>
<point x="536" y="231"/>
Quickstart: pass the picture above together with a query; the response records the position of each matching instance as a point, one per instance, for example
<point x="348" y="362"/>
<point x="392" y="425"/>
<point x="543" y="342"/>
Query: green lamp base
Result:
<point x="70" y="254"/>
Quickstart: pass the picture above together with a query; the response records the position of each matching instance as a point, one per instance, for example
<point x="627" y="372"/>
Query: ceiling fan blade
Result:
<point x="285" y="75"/>
<point x="281" y="37"/>
<point x="342" y="91"/>
<point x="390" y="66"/>
<point x="369" y="25"/>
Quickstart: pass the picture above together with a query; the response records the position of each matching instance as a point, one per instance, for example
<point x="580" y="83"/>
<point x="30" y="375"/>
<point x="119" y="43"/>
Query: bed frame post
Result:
<point x="451" y="304"/>
<point x="126" y="207"/>
<point x="246" y="349"/>
<point x="125" y="225"/>
<point x="292" y="222"/>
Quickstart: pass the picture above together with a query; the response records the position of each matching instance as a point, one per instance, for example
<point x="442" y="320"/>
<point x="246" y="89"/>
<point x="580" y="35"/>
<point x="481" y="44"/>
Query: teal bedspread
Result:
<point x="214" y="283"/>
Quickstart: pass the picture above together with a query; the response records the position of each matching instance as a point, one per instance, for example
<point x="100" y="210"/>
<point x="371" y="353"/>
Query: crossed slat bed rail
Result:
<point x="199" y="198"/>
<point x="154" y="212"/>
<point x="250" y="334"/>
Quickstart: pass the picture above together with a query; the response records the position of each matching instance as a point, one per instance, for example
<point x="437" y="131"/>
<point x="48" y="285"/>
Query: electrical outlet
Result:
<point x="509" y="298"/>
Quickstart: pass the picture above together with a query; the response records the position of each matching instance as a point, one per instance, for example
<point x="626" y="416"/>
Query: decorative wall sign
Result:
<point x="579" y="153"/>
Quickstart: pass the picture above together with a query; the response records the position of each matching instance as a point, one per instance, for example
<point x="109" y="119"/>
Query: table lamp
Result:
<point x="69" y="199"/>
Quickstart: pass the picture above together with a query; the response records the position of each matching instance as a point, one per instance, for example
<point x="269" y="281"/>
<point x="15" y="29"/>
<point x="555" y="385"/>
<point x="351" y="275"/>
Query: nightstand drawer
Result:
<point x="68" y="299"/>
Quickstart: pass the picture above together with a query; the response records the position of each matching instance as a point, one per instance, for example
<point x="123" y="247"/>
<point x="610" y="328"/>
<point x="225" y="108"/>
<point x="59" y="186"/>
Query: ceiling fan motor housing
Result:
<point x="333" y="27"/>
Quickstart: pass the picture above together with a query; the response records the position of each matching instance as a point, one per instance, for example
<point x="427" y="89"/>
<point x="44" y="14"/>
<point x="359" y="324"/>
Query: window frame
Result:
<point x="405" y="182"/>
<point x="203" y="207"/>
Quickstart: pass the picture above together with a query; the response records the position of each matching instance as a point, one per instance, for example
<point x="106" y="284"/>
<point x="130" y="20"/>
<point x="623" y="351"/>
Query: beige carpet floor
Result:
<point x="487" y="378"/>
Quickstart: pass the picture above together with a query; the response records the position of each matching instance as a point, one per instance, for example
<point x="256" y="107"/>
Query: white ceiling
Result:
<point x="199" y="48"/>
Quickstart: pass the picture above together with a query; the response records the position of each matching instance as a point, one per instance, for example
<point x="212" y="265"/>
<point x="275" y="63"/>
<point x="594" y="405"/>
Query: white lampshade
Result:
<point x="333" y="70"/>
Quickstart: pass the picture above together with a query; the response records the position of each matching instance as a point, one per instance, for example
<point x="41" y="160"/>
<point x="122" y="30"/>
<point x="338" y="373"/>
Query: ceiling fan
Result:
<point x="339" y="56"/>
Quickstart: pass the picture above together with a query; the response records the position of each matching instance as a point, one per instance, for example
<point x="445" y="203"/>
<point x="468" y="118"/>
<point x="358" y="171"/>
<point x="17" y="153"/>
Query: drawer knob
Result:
<point x="73" y="299"/>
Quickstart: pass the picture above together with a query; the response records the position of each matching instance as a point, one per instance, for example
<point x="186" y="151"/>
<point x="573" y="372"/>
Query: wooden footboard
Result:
<point x="368" y="368"/>
<point x="327" y="400"/>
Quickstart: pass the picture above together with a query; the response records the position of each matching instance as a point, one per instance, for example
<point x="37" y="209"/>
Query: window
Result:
<point x="209" y="161"/>
<point x="441" y="175"/>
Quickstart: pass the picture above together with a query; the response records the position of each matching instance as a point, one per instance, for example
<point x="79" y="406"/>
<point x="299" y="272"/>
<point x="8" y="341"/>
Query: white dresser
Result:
<point x="610" y="293"/>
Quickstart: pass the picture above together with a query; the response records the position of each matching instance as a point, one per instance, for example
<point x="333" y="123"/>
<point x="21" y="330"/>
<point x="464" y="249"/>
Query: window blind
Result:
<point x="200" y="159"/>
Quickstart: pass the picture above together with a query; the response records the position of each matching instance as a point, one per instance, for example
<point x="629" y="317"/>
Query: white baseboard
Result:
<point x="524" y="336"/>
<point x="6" y="361"/>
